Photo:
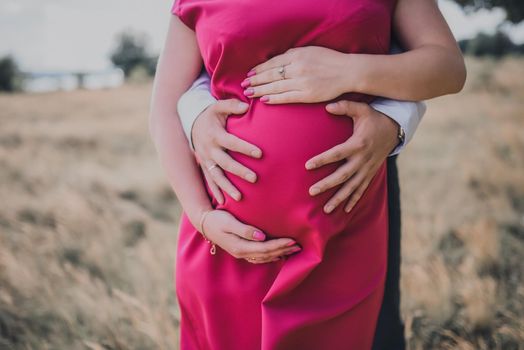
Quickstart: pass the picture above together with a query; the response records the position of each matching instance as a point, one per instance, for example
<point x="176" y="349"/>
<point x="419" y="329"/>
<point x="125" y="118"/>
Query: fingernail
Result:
<point x="245" y="83"/>
<point x="349" y="209"/>
<point x="251" y="73"/>
<point x="314" y="191"/>
<point x="236" y="196"/>
<point x="291" y="243"/>
<point x="259" y="236"/>
<point x="249" y="91"/>
<point x="243" y="105"/>
<point x="256" y="153"/>
<point x="331" y="105"/>
<point x="264" y="99"/>
<point x="251" y="177"/>
<point x="310" y="165"/>
<point x="329" y="208"/>
<point x="294" y="250"/>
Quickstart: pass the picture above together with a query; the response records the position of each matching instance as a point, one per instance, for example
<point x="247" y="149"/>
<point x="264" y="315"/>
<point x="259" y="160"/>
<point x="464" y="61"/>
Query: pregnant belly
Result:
<point x="288" y="135"/>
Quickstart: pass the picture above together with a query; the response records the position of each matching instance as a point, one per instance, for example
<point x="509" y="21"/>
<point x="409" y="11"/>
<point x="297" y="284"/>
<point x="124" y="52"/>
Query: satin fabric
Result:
<point x="328" y="295"/>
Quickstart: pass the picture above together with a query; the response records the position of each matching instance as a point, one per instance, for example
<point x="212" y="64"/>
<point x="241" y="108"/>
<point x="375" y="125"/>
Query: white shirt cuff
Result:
<point x="193" y="102"/>
<point x="406" y="114"/>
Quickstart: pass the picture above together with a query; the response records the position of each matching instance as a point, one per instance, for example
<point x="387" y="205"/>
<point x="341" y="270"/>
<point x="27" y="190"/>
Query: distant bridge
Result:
<point x="56" y="81"/>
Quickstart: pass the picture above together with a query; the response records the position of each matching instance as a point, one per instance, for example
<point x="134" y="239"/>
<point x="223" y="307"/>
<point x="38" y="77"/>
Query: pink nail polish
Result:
<point x="264" y="99"/>
<point x="245" y="83"/>
<point x="294" y="250"/>
<point x="251" y="73"/>
<point x="249" y="92"/>
<point x="291" y="244"/>
<point x="259" y="236"/>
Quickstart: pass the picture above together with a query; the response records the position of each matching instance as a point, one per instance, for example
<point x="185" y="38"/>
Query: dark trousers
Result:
<point x="389" y="334"/>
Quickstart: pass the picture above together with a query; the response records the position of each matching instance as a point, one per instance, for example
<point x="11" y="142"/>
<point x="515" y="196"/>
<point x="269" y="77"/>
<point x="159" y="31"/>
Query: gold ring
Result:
<point x="252" y="259"/>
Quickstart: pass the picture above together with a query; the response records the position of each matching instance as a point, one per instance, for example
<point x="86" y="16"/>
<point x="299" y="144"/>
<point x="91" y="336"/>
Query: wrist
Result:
<point x="355" y="78"/>
<point x="196" y="216"/>
<point x="400" y="137"/>
<point x="396" y="134"/>
<point x="193" y="126"/>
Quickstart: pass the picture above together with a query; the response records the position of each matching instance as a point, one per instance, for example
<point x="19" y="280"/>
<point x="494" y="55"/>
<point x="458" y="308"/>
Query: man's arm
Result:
<point x="194" y="101"/>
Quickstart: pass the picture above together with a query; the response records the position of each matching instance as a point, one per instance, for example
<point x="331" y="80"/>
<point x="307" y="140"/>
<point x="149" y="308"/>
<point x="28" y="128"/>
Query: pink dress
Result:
<point x="327" y="296"/>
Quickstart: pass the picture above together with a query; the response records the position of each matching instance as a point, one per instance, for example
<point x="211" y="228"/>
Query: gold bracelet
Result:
<point x="213" y="248"/>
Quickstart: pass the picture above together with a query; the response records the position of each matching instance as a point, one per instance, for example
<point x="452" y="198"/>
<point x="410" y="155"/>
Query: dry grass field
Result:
<point x="88" y="223"/>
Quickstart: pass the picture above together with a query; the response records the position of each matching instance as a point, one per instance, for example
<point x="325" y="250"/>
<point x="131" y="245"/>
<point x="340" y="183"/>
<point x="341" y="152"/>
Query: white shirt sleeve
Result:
<point x="405" y="113"/>
<point x="193" y="102"/>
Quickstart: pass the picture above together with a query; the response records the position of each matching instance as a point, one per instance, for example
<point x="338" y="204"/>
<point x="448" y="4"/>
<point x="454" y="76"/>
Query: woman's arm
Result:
<point x="178" y="66"/>
<point x="432" y="65"/>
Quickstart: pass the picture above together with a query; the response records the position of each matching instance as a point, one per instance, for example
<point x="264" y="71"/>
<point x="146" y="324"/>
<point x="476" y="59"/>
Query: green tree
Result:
<point x="514" y="8"/>
<point x="132" y="52"/>
<point x="10" y="76"/>
<point x="496" y="45"/>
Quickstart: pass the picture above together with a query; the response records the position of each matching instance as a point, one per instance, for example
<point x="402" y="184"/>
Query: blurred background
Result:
<point x="88" y="223"/>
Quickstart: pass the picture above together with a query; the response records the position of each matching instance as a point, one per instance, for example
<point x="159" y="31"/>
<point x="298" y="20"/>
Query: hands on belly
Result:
<point x="373" y="139"/>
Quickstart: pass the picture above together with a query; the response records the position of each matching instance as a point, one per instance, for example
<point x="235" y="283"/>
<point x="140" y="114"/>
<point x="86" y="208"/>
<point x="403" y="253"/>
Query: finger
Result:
<point x="236" y="144"/>
<point x="293" y="96"/>
<point x="223" y="182"/>
<point x="343" y="193"/>
<point x="217" y="193"/>
<point x="276" y="61"/>
<point x="275" y="87"/>
<point x="274" y="255"/>
<point x="230" y="106"/>
<point x="249" y="248"/>
<point x="244" y="231"/>
<point x="263" y="260"/>
<point x="227" y="163"/>
<point x="348" y="108"/>
<point x="268" y="76"/>
<point x="332" y="155"/>
<point x="251" y="233"/>
<point x="339" y="176"/>
<point x="264" y="256"/>
<point x="270" y="256"/>
<point x="357" y="194"/>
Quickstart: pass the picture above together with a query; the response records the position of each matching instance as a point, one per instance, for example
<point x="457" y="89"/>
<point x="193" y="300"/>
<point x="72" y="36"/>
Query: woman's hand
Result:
<point x="310" y="74"/>
<point x="244" y="241"/>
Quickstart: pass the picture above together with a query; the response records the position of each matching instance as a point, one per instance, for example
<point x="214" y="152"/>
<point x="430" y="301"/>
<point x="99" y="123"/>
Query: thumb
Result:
<point x="231" y="106"/>
<point x="347" y="108"/>
<point x="246" y="231"/>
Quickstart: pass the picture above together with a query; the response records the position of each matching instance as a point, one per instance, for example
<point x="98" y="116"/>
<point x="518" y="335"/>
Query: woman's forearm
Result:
<point x="178" y="66"/>
<point x="419" y="74"/>
<point x="431" y="66"/>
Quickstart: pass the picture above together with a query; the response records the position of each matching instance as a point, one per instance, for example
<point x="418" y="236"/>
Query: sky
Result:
<point x="61" y="35"/>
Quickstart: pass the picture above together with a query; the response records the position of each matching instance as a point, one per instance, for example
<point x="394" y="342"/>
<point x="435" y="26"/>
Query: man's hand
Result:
<point x="374" y="137"/>
<point x="211" y="140"/>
